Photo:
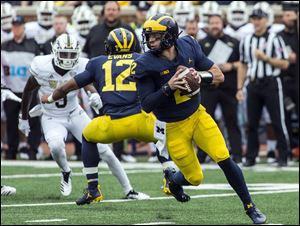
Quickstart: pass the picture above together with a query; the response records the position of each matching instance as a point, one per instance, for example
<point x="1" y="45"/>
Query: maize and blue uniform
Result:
<point x="122" y="115"/>
<point x="186" y="120"/>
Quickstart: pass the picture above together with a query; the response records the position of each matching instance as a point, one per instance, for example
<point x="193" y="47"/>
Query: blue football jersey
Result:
<point x="152" y="72"/>
<point x="112" y="77"/>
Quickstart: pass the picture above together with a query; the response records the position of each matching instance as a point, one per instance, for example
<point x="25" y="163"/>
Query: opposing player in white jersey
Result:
<point x="83" y="19"/>
<point x="238" y="20"/>
<point x="42" y="29"/>
<point x="47" y="72"/>
<point x="183" y="12"/>
<point x="205" y="10"/>
<point x="7" y="14"/>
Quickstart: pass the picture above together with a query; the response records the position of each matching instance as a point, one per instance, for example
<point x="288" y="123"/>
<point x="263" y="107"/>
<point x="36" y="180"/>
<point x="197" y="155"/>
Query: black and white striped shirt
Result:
<point x="271" y="44"/>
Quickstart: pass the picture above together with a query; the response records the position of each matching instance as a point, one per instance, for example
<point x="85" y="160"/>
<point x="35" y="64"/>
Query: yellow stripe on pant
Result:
<point x="105" y="130"/>
<point x="201" y="129"/>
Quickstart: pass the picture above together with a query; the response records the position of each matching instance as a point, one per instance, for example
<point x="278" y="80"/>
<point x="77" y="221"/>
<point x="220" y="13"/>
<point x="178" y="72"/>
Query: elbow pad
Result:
<point x="206" y="76"/>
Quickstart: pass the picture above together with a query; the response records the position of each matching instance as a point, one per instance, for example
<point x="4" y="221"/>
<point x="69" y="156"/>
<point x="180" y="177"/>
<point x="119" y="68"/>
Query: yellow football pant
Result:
<point x="201" y="129"/>
<point x="105" y="130"/>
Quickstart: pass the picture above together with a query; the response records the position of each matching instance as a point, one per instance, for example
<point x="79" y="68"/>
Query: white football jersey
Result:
<point x="43" y="71"/>
<point x="241" y="32"/>
<point x="40" y="34"/>
<point x="5" y="36"/>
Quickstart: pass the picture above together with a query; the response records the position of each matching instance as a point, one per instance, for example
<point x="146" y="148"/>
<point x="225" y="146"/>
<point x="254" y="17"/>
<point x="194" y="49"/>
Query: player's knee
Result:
<point x="196" y="178"/>
<point x="56" y="145"/>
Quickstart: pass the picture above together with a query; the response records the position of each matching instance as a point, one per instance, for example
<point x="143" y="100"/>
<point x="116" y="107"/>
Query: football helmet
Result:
<point x="183" y="12"/>
<point x="119" y="40"/>
<point x="207" y="9"/>
<point x="156" y="9"/>
<point x="83" y="19"/>
<point x="66" y="50"/>
<point x="166" y="29"/>
<point x="45" y="13"/>
<point x="265" y="7"/>
<point x="237" y="13"/>
<point x="7" y="15"/>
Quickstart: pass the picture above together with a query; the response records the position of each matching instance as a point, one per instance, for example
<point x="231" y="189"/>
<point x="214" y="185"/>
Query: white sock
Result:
<point x="170" y="164"/>
<point x="116" y="168"/>
<point x="60" y="158"/>
<point x="271" y="145"/>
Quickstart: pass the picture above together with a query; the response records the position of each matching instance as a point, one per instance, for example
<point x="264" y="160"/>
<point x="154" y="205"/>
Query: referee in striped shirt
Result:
<point x="263" y="55"/>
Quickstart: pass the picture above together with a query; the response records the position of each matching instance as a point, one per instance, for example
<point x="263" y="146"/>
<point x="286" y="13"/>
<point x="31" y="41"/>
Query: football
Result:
<point x="192" y="82"/>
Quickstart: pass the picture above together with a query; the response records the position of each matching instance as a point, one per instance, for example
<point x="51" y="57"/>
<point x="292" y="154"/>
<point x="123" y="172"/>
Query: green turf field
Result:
<point x="276" y="193"/>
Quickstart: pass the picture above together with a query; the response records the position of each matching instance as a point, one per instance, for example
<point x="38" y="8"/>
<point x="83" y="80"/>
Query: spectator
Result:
<point x="19" y="52"/>
<point x="94" y="45"/>
<point x="224" y="94"/>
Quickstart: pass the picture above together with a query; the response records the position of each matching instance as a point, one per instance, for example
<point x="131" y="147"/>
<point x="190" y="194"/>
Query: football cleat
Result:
<point x="175" y="189"/>
<point x="256" y="216"/>
<point x="137" y="195"/>
<point x="7" y="191"/>
<point x="90" y="196"/>
<point x="66" y="183"/>
<point x="166" y="188"/>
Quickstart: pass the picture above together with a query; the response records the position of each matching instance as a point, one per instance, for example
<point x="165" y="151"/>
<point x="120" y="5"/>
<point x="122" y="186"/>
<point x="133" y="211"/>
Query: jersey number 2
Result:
<point x="119" y="86"/>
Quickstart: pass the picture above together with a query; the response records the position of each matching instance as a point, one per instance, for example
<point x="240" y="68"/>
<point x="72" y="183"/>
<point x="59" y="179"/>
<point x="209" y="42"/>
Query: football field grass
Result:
<point x="38" y="200"/>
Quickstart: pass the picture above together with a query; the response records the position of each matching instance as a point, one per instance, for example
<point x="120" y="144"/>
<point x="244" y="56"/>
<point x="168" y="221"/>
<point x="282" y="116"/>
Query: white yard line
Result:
<point x="45" y="175"/>
<point x="46" y="221"/>
<point x="154" y="198"/>
<point x="142" y="165"/>
<point x="156" y="223"/>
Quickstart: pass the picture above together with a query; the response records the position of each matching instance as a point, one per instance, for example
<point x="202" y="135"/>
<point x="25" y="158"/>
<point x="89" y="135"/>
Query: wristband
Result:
<point x="50" y="99"/>
<point x="166" y="89"/>
<point x="206" y="76"/>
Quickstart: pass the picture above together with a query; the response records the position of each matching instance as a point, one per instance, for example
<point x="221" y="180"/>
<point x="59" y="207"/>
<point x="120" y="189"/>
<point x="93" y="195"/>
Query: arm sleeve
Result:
<point x="86" y="77"/>
<point x="34" y="71"/>
<point x="202" y="62"/>
<point x="150" y="98"/>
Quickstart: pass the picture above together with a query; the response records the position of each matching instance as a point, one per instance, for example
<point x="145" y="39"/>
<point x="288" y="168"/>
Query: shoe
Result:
<point x="271" y="158"/>
<point x="24" y="153"/>
<point x="7" y="190"/>
<point x="280" y="163"/>
<point x="137" y="195"/>
<point x="128" y="158"/>
<point x="153" y="159"/>
<point x="249" y="163"/>
<point x="256" y="216"/>
<point x="66" y="183"/>
<point x="166" y="188"/>
<point x="90" y="196"/>
<point x="175" y="189"/>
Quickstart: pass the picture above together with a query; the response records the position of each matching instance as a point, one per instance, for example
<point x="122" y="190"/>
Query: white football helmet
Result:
<point x="237" y="13"/>
<point x="184" y="11"/>
<point x="45" y="12"/>
<point x="83" y="19"/>
<point x="266" y="7"/>
<point x="7" y="15"/>
<point x="208" y="8"/>
<point x="66" y="50"/>
<point x="156" y="9"/>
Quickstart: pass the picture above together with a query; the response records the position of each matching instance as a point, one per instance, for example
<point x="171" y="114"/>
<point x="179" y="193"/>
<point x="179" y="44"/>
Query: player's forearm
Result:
<point x="218" y="76"/>
<point x="30" y="86"/>
<point x="151" y="99"/>
<point x="63" y="90"/>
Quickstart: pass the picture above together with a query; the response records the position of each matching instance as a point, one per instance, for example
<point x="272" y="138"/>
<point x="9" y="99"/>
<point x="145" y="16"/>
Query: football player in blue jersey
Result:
<point x="122" y="116"/>
<point x="183" y="117"/>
